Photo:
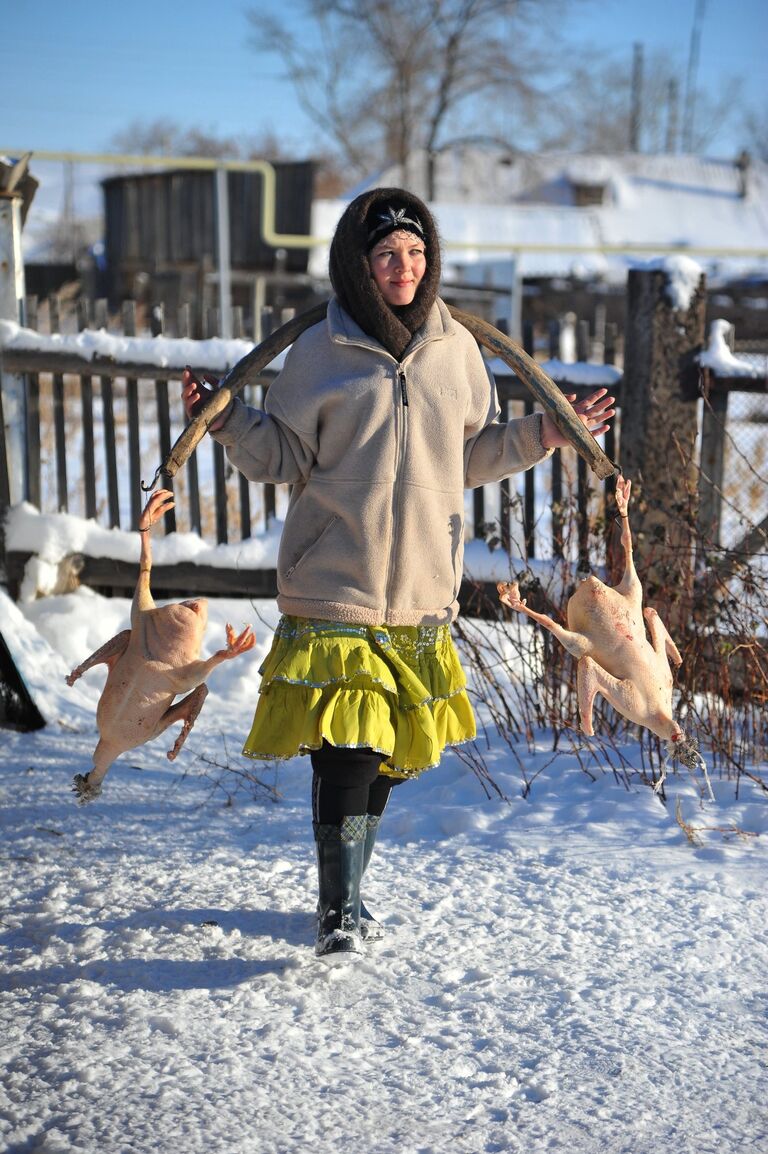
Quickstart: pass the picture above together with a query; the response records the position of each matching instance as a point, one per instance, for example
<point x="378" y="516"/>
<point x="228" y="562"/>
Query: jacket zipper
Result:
<point x="402" y="418"/>
<point x="403" y="389"/>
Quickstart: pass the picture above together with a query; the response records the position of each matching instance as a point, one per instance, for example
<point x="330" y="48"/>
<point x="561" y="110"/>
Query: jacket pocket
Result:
<point x="310" y="549"/>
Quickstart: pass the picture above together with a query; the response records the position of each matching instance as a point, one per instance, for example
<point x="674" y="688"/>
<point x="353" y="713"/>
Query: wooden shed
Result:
<point x="160" y="227"/>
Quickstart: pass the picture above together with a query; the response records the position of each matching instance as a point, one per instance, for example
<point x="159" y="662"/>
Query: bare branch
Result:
<point x="384" y="79"/>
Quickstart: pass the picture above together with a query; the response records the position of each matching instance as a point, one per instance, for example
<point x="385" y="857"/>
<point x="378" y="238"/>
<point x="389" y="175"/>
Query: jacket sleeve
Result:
<point x="503" y="447"/>
<point x="265" y="448"/>
<point x="493" y="449"/>
<point x="278" y="443"/>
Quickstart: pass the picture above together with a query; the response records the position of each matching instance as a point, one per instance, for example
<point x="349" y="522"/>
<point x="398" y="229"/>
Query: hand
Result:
<point x="593" y="411"/>
<point x="196" y="393"/>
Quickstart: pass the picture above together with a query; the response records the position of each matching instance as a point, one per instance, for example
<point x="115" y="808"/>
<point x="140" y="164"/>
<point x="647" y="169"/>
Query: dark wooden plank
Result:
<point x="505" y="508"/>
<point x="480" y="599"/>
<point x="163" y="407"/>
<point x="558" y="519"/>
<point x="185" y="579"/>
<point x="712" y="468"/>
<point x="529" y="502"/>
<point x="582" y="519"/>
<point x="558" y="512"/>
<point x="134" y="449"/>
<point x="557" y="505"/>
<point x="611" y="443"/>
<point x="33" y="479"/>
<point x="269" y="492"/>
<point x="33" y="454"/>
<point x="245" y="506"/>
<point x="270" y="504"/>
<point x="478" y="512"/>
<point x="529" y="480"/>
<point x="132" y="411"/>
<point x="611" y="343"/>
<point x="5" y="478"/>
<point x="583" y="342"/>
<point x="220" y="493"/>
<point x="583" y="348"/>
<point x="31" y="312"/>
<point x="553" y="335"/>
<point x="110" y="451"/>
<point x="89" y="464"/>
<point x="86" y="404"/>
<point x="164" y="437"/>
<point x="609" y="358"/>
<point x="210" y="322"/>
<point x="59" y="417"/>
<point x="193" y="482"/>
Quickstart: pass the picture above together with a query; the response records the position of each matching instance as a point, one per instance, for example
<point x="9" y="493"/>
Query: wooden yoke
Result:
<point x="247" y="370"/>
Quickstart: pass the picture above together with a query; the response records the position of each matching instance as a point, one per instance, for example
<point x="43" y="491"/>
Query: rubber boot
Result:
<point x="370" y="929"/>
<point x="340" y="850"/>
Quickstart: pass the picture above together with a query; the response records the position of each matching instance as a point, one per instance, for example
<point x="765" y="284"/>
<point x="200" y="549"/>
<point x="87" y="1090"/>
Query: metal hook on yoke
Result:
<point x="148" y="488"/>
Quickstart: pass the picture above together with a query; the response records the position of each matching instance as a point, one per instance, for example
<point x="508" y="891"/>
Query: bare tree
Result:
<point x="384" y="79"/>
<point x="167" y="138"/>
<point x="594" y="110"/>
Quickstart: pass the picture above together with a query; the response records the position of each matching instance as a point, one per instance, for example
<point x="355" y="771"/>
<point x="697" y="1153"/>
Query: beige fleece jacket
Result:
<point x="379" y="453"/>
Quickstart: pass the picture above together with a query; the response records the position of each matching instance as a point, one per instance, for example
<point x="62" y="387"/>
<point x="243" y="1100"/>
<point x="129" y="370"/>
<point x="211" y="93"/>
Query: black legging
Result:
<point x="347" y="783"/>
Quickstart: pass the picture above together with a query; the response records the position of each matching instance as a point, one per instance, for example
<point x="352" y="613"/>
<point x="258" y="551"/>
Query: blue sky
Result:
<point x="85" y="69"/>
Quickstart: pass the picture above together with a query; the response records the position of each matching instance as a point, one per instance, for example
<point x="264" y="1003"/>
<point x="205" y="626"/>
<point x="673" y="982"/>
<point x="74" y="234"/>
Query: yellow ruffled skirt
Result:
<point x="399" y="690"/>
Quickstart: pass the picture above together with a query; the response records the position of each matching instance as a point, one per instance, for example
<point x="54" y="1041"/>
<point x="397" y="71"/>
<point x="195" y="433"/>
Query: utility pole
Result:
<point x="636" y="111"/>
<point x="673" y="97"/>
<point x="67" y="243"/>
<point x="221" y="199"/>
<point x="690" y="82"/>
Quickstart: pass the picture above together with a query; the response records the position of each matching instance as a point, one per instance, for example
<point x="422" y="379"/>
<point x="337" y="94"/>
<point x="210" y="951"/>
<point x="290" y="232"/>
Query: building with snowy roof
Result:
<point x="586" y="219"/>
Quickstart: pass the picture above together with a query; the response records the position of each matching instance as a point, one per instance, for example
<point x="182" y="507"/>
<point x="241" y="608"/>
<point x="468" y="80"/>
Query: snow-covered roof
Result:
<point x="493" y="177"/>
<point x="489" y="204"/>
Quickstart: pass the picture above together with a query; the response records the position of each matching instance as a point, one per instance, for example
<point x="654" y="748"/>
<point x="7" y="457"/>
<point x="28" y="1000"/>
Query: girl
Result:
<point x="383" y="414"/>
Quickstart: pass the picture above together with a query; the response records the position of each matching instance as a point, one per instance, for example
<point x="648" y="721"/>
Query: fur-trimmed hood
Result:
<point x="357" y="291"/>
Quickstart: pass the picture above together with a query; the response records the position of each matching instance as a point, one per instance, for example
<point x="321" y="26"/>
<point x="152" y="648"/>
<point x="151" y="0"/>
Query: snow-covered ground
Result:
<point x="561" y="972"/>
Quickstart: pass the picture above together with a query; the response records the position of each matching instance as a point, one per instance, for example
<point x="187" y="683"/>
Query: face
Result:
<point x="398" y="263"/>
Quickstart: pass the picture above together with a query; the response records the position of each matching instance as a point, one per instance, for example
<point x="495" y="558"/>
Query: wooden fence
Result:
<point x="97" y="428"/>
